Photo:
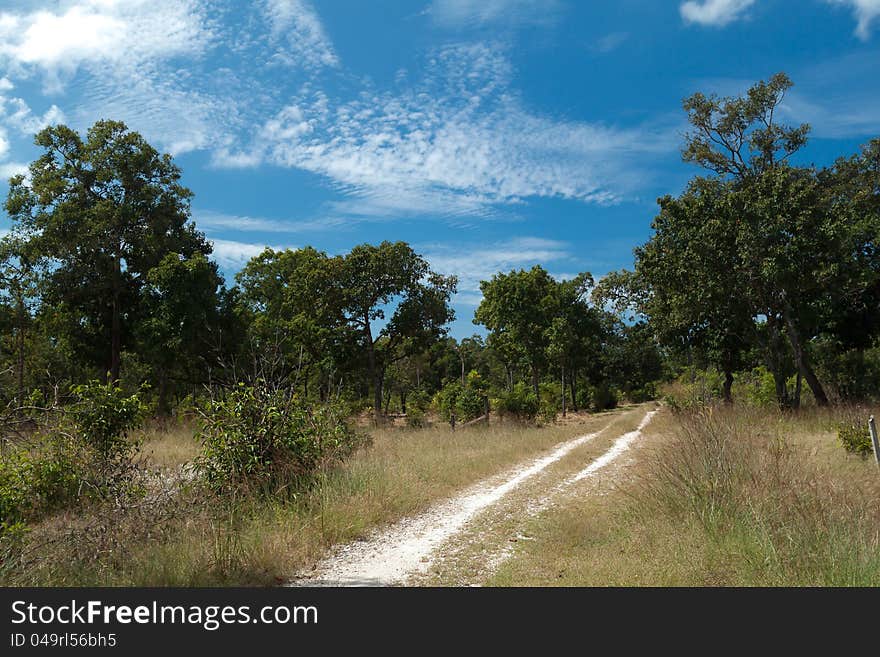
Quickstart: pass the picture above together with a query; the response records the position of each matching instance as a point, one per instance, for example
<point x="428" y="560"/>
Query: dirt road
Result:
<point x="464" y="538"/>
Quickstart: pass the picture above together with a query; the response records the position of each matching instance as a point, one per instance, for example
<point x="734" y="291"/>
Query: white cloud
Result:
<point x="473" y="265"/>
<point x="210" y="220"/>
<point x="87" y="32"/>
<point x="865" y="12"/>
<point x="17" y="114"/>
<point x="475" y="13"/>
<point x="714" y="12"/>
<point x="610" y="42"/>
<point x="232" y="255"/>
<point x="297" y="23"/>
<point x="459" y="143"/>
<point x="9" y="169"/>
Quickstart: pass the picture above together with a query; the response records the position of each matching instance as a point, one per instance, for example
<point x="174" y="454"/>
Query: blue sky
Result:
<point x="490" y="134"/>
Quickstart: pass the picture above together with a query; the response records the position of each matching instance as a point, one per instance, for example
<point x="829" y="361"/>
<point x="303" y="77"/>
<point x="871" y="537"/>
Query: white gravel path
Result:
<point x="391" y="556"/>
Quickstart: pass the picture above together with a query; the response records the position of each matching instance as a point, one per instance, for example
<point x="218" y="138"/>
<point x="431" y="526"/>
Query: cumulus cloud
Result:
<point x="75" y="33"/>
<point x="714" y="12"/>
<point x="866" y="11"/>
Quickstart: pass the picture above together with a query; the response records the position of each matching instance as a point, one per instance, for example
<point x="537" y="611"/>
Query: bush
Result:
<point x="602" y="398"/>
<point x="855" y="437"/>
<point x="84" y="453"/>
<point x="417" y="403"/>
<point x="255" y="438"/>
<point x="550" y="403"/>
<point x="521" y="403"/>
<point x="35" y="482"/>
<point x="102" y="416"/>
<point x="468" y="402"/>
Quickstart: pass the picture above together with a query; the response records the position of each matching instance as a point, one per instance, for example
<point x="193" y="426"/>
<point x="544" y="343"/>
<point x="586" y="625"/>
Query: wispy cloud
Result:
<point x="473" y="265"/>
<point x="610" y="42"/>
<point x="296" y="23"/>
<point x="477" y="13"/>
<point x="459" y="143"/>
<point x="716" y="13"/>
<point x="866" y="11"/>
<point x="210" y="220"/>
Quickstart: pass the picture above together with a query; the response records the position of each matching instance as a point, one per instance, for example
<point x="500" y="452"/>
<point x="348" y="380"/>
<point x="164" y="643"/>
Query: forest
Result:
<point x="759" y="287"/>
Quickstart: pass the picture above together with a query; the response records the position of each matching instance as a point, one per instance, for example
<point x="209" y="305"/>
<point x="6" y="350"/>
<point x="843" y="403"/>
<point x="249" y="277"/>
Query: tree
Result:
<point x="294" y="303"/>
<point x="104" y="211"/>
<point x="19" y="279"/>
<point x="693" y="288"/>
<point x="521" y="305"/>
<point x="739" y="139"/>
<point x="371" y="280"/>
<point x="181" y="315"/>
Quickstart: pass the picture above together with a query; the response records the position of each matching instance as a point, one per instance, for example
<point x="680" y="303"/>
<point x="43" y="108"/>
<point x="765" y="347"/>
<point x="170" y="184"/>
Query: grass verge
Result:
<point x="723" y="496"/>
<point x="183" y="539"/>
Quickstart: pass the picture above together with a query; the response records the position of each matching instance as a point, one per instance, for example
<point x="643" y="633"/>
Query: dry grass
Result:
<point x="168" y="447"/>
<point x="259" y="542"/>
<point x="725" y="497"/>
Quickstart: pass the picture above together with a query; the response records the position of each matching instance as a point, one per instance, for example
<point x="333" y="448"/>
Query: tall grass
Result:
<point x="759" y="498"/>
<point x="192" y="540"/>
<point x="721" y="495"/>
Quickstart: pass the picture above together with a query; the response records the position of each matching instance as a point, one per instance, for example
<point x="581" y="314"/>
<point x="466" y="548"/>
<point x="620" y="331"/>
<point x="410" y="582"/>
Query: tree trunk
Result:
<point x="573" y="386"/>
<point x="374" y="375"/>
<point x="162" y="407"/>
<point x="773" y="350"/>
<point x="801" y="360"/>
<point x="20" y="346"/>
<point x="116" y="326"/>
<point x="797" y="391"/>
<point x="403" y="401"/>
<point x="563" y="391"/>
<point x="728" y="384"/>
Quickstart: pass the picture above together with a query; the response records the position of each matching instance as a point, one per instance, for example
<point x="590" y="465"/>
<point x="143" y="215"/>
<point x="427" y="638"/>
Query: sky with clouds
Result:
<point x="490" y="134"/>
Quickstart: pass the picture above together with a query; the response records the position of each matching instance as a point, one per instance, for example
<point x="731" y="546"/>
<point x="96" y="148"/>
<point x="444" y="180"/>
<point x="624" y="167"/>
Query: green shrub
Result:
<point x="102" y="417"/>
<point x="521" y="403"/>
<point x="855" y="437"/>
<point x="602" y="398"/>
<point x="550" y="401"/>
<point x="267" y="440"/>
<point x="417" y="403"/>
<point x="34" y="482"/>
<point x="468" y="402"/>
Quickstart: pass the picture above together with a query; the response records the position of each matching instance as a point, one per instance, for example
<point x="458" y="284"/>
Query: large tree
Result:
<point x="520" y="306"/>
<point x="391" y="279"/>
<point x="103" y="210"/>
<point x="741" y="140"/>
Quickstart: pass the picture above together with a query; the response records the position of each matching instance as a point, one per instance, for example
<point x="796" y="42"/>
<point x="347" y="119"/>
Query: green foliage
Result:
<point x="855" y="437"/>
<point x="757" y="387"/>
<point x="417" y="403"/>
<point x="550" y="401"/>
<point x="259" y="439"/>
<point x="467" y="402"/>
<point x="694" y="389"/>
<point x="520" y="403"/>
<point x="35" y="482"/>
<point x="602" y="398"/>
<point x="102" y="416"/>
